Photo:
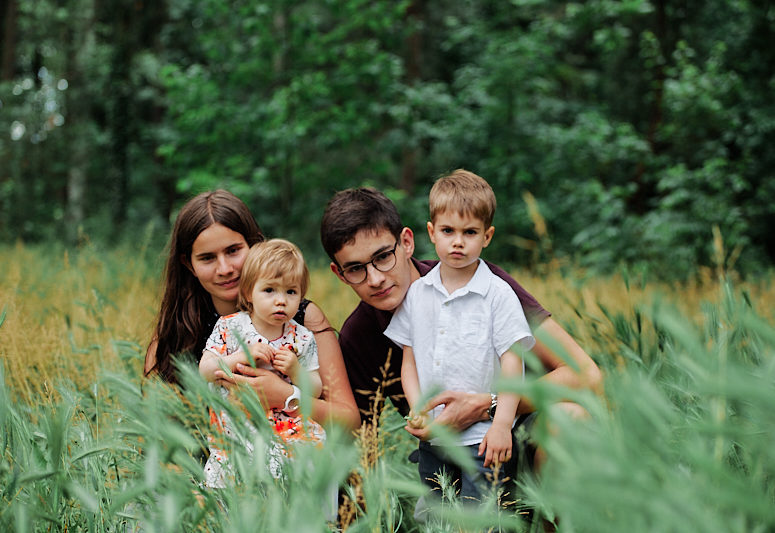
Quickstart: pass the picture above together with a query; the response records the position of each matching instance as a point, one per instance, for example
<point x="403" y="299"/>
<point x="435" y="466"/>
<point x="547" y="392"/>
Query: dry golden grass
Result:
<point x="63" y="310"/>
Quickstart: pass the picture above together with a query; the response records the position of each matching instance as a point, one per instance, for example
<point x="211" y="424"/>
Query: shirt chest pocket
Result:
<point x="474" y="331"/>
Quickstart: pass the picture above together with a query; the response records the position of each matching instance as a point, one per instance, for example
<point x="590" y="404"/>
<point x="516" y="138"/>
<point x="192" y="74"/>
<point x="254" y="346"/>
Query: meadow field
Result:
<point x="680" y="440"/>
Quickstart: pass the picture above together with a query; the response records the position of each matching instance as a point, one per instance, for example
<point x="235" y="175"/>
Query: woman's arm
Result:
<point x="150" y="357"/>
<point x="337" y="401"/>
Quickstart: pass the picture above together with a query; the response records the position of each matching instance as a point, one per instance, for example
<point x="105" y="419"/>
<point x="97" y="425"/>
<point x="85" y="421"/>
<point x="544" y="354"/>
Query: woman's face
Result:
<point x="217" y="257"/>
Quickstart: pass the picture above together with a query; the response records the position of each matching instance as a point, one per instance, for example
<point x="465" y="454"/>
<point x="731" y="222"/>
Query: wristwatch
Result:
<point x="493" y="405"/>
<point x="292" y="401"/>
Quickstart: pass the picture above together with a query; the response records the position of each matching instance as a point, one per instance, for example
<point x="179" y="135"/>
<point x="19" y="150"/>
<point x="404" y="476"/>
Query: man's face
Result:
<point x="383" y="290"/>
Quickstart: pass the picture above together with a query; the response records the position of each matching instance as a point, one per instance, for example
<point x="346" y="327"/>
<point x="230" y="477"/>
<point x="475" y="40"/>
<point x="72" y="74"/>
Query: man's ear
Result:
<point x="335" y="270"/>
<point x="488" y="233"/>
<point x="406" y="240"/>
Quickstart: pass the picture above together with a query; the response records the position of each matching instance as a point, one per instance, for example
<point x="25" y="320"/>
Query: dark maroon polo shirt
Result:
<point x="374" y="362"/>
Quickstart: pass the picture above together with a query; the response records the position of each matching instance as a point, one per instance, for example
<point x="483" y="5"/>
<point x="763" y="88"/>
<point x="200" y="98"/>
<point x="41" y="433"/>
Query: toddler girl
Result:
<point x="273" y="282"/>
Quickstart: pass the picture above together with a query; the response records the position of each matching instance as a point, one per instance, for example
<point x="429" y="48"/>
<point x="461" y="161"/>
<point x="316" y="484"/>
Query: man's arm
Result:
<point x="462" y="409"/>
<point x="558" y="372"/>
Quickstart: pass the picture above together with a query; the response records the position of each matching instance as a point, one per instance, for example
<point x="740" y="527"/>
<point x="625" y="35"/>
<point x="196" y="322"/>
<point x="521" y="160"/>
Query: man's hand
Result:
<point x="461" y="409"/>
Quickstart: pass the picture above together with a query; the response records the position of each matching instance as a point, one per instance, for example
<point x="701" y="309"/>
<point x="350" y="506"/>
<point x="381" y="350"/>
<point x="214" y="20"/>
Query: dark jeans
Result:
<point x="433" y="461"/>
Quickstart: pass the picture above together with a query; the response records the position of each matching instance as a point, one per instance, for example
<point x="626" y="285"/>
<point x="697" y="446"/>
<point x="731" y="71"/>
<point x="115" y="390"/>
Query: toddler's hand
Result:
<point x="286" y="362"/>
<point x="261" y="352"/>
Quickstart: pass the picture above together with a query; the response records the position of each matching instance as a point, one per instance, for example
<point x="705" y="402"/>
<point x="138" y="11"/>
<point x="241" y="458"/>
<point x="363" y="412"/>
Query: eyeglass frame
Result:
<point x="367" y="263"/>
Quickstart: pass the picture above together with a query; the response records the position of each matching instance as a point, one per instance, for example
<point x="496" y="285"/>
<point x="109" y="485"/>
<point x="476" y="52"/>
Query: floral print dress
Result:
<point x="287" y="429"/>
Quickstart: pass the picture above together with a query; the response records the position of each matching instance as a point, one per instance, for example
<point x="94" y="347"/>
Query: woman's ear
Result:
<point x="186" y="261"/>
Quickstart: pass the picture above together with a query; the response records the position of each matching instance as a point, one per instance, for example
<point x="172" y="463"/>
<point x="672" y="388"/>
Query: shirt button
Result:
<point x="441" y="332"/>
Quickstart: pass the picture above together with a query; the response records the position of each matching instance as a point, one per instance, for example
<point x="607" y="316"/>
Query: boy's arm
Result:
<point x="409" y="379"/>
<point x="497" y="440"/>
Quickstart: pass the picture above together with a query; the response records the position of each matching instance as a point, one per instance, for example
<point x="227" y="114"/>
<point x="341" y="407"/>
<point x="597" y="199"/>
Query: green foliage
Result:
<point x="686" y="442"/>
<point x="681" y="440"/>
<point x="638" y="126"/>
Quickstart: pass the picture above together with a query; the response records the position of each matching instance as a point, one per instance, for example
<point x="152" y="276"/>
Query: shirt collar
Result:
<point x="479" y="283"/>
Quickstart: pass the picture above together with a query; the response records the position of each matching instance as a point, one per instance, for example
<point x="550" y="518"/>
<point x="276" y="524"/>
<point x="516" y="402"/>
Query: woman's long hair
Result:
<point x="187" y="314"/>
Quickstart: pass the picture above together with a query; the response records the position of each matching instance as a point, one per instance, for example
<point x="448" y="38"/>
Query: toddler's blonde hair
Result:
<point x="272" y="259"/>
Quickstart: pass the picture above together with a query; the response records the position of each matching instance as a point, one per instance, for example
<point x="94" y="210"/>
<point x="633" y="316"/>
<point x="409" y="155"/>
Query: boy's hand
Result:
<point x="497" y="442"/>
<point x="261" y="352"/>
<point x="286" y="362"/>
<point x="417" y="420"/>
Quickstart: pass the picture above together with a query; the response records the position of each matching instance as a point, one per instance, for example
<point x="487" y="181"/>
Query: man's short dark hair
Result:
<point x="352" y="210"/>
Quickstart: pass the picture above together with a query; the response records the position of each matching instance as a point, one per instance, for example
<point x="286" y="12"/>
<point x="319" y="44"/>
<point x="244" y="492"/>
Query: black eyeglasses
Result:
<point x="383" y="261"/>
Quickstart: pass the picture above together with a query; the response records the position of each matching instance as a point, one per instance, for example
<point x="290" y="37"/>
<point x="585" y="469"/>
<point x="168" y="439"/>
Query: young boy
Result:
<point x="456" y="326"/>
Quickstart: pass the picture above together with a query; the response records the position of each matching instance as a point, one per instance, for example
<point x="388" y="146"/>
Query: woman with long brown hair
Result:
<point x="208" y="246"/>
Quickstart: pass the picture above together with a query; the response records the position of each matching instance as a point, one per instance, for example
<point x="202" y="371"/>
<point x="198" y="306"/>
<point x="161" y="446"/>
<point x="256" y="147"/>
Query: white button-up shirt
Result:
<point x="458" y="338"/>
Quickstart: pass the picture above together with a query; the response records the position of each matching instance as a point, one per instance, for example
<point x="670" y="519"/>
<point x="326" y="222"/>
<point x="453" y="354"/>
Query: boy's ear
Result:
<point x="488" y="233"/>
<point x="429" y="225"/>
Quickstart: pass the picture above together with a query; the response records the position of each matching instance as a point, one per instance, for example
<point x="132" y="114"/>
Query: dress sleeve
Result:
<point x="308" y="352"/>
<point x="217" y="342"/>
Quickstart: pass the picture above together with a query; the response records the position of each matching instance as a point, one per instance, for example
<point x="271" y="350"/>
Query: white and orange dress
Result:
<point x="287" y="429"/>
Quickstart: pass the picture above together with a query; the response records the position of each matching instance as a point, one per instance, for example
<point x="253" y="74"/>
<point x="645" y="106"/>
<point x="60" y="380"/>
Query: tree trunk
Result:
<point x="638" y="202"/>
<point x="8" y="40"/>
<point x="414" y="62"/>
<point x="78" y="120"/>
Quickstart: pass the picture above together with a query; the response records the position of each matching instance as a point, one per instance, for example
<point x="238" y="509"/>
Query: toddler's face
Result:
<point x="275" y="301"/>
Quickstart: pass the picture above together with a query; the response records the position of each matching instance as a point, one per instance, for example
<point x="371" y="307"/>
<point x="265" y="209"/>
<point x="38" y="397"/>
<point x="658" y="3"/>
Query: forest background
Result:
<point x="630" y="147"/>
<point x="633" y="128"/>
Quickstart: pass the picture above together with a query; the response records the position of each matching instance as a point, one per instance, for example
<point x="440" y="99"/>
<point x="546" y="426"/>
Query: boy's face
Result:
<point x="383" y="290"/>
<point x="459" y="239"/>
<point x="275" y="301"/>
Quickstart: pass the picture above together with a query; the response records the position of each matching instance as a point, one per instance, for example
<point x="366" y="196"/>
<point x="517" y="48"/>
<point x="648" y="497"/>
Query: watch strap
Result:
<point x="493" y="406"/>
<point x="292" y="401"/>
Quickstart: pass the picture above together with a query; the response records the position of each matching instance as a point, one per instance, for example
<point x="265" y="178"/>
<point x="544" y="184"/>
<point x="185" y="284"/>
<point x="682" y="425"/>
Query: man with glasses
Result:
<point x="371" y="251"/>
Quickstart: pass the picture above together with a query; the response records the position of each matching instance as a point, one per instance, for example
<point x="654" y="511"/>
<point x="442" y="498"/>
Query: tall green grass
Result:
<point x="680" y="441"/>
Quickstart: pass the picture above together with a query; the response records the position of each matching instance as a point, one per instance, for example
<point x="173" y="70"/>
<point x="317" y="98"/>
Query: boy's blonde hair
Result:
<point x="272" y="259"/>
<point x="463" y="192"/>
